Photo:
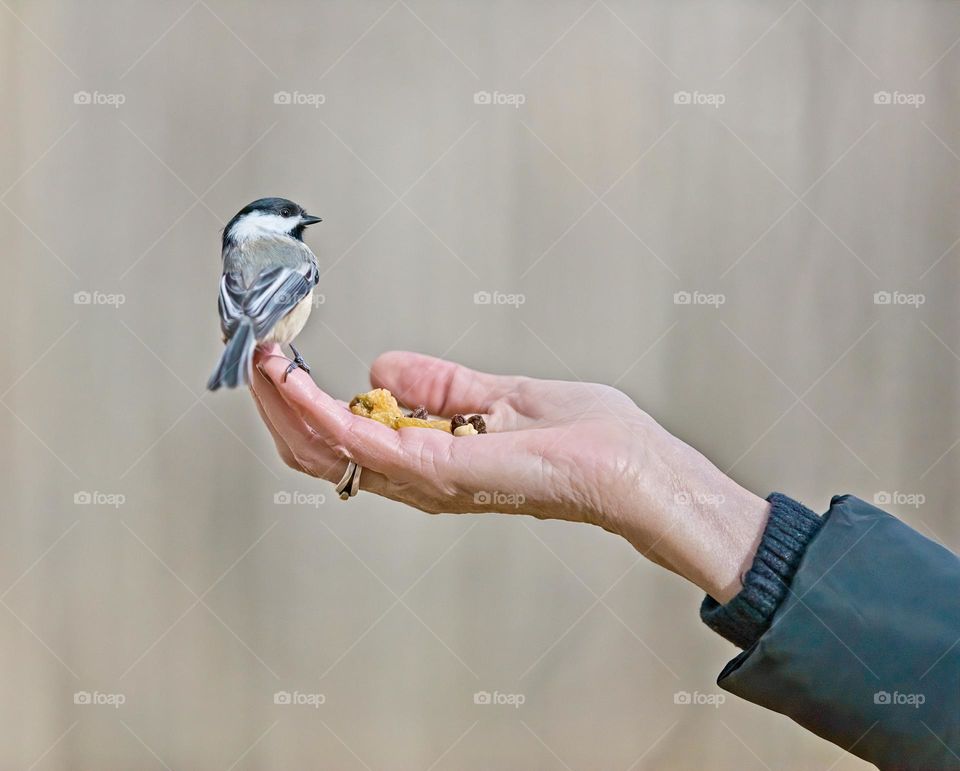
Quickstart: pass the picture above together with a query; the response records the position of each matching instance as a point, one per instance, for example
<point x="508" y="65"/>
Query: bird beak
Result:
<point x="309" y="219"/>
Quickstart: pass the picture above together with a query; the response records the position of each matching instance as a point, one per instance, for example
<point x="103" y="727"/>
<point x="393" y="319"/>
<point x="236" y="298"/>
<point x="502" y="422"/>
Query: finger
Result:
<point x="276" y="413"/>
<point x="297" y="443"/>
<point x="423" y="468"/>
<point x="373" y="445"/>
<point x="287" y="428"/>
<point x="281" y="417"/>
<point x="261" y="382"/>
<point x="309" y="454"/>
<point x="443" y="387"/>
<point x="282" y="422"/>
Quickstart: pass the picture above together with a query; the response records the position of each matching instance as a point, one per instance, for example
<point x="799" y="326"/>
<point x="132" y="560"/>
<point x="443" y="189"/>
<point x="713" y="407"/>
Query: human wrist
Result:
<point x="734" y="529"/>
<point x="790" y="528"/>
<point x="681" y="512"/>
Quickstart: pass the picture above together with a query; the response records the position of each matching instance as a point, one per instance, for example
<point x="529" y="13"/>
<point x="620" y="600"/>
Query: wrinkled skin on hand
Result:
<point x="554" y="449"/>
<point x="564" y="450"/>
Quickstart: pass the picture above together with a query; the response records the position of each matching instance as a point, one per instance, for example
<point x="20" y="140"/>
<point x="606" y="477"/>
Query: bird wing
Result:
<point x="232" y="291"/>
<point x="265" y="288"/>
<point x="275" y="292"/>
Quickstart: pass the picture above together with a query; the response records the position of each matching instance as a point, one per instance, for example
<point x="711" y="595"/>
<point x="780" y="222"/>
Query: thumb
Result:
<point x="399" y="454"/>
<point x="442" y="386"/>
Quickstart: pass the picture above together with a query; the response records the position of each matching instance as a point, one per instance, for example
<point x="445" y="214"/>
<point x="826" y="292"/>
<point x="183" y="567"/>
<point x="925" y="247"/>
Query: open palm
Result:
<point x="554" y="448"/>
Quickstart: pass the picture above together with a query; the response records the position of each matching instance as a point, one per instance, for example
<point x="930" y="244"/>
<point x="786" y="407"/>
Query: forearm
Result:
<point x="682" y="512"/>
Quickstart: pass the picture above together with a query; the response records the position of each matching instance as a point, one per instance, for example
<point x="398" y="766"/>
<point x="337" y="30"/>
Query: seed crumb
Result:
<point x="478" y="423"/>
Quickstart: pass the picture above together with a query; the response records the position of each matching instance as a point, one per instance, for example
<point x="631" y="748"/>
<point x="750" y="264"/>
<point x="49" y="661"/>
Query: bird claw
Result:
<point x="297" y="363"/>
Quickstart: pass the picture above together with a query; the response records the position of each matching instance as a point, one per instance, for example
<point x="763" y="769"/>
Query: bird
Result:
<point x="266" y="289"/>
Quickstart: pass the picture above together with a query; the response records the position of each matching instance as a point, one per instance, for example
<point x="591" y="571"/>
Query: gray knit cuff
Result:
<point x="747" y="616"/>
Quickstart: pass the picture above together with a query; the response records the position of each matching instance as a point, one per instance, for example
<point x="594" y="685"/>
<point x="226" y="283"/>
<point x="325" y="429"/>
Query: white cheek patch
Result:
<point x="260" y="224"/>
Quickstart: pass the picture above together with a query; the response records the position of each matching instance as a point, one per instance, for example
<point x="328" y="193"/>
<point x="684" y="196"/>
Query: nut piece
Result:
<point x="404" y="422"/>
<point x="478" y="423"/>
<point x="380" y="405"/>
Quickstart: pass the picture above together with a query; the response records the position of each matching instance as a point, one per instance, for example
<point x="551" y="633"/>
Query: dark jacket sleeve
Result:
<point x="863" y="649"/>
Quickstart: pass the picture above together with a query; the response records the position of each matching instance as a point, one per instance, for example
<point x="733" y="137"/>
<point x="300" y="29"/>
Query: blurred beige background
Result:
<point x="629" y="153"/>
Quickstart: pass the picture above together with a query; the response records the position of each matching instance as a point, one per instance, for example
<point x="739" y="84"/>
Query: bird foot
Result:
<point x="297" y="362"/>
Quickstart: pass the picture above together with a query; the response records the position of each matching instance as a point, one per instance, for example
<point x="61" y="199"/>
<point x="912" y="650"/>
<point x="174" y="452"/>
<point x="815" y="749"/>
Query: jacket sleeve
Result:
<point x="863" y="649"/>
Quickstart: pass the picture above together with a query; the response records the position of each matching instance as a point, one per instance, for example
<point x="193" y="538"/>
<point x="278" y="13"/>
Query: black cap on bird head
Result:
<point x="268" y="216"/>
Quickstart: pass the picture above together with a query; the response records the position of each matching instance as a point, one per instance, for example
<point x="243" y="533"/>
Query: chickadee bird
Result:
<point x="265" y="291"/>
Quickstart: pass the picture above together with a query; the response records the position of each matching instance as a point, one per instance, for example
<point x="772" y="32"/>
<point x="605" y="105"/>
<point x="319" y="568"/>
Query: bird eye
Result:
<point x="285" y="212"/>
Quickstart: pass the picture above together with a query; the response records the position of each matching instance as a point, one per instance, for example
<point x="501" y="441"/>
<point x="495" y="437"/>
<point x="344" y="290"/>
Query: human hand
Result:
<point x="555" y="449"/>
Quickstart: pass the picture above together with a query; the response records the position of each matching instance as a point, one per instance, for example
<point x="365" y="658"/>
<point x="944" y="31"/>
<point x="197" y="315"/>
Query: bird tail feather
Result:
<point x="236" y="364"/>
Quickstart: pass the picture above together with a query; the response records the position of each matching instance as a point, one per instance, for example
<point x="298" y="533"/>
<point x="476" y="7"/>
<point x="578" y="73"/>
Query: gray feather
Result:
<point x="263" y="280"/>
